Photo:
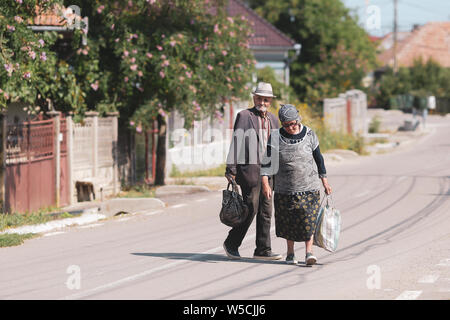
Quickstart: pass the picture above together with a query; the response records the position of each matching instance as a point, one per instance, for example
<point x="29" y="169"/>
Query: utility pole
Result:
<point x="395" y="36"/>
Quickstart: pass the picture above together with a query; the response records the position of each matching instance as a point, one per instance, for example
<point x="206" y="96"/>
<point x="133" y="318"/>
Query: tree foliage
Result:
<point x="158" y="56"/>
<point x="422" y="79"/>
<point x="30" y="69"/>
<point x="336" y="53"/>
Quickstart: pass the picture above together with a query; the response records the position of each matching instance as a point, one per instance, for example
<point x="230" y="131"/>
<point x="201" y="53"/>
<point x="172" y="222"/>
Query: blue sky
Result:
<point x="410" y="12"/>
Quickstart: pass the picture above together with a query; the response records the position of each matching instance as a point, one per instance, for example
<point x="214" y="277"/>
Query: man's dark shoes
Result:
<point x="268" y="255"/>
<point x="232" y="254"/>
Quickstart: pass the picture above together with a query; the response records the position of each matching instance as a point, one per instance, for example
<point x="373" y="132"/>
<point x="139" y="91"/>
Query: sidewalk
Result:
<point x="89" y="212"/>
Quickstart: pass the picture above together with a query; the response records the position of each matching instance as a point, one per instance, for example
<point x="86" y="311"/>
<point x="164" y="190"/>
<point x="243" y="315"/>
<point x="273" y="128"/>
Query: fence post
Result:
<point x="115" y="130"/>
<point x="69" y="137"/>
<point x="94" y="116"/>
<point x="56" y="115"/>
<point x="3" y="159"/>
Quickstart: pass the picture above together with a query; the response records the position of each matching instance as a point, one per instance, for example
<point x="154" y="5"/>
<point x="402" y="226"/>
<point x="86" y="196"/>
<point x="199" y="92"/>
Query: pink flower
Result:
<point x="100" y="9"/>
<point x="131" y="123"/>
<point x="183" y="66"/>
<point x="161" y="112"/>
<point x="27" y="75"/>
<point x="133" y="60"/>
<point x="112" y="26"/>
<point x="140" y="74"/>
<point x="10" y="28"/>
<point x="139" y="129"/>
<point x="19" y="1"/>
<point x="159" y="48"/>
<point x="126" y="53"/>
<point x="165" y="63"/>
<point x="163" y="56"/>
<point x="94" y="86"/>
<point x="181" y="78"/>
<point x="216" y="28"/>
<point x="224" y="52"/>
<point x="133" y="67"/>
<point x="134" y="51"/>
<point x="162" y="74"/>
<point x="149" y="55"/>
<point x="18" y="19"/>
<point x="8" y="67"/>
<point x="210" y="68"/>
<point x="43" y="56"/>
<point x="125" y="79"/>
<point x="189" y="74"/>
<point x="173" y="43"/>
<point x="32" y="54"/>
<point x="117" y="40"/>
<point x="41" y="42"/>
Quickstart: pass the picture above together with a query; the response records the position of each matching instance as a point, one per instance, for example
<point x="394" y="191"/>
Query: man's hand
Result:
<point x="230" y="177"/>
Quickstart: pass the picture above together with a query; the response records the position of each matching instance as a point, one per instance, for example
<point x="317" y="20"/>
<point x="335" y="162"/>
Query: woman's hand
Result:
<point x="326" y="186"/>
<point x="267" y="190"/>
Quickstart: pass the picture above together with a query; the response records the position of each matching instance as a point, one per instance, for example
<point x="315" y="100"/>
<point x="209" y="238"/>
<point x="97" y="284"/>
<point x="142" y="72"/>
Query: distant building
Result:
<point x="431" y="40"/>
<point x="269" y="45"/>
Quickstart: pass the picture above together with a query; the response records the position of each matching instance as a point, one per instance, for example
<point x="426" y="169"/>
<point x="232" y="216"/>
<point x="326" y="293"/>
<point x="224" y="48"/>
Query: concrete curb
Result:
<point x="111" y="207"/>
<point x="179" y="189"/>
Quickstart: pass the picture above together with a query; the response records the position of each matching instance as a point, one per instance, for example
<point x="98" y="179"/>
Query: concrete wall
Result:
<point x="347" y="113"/>
<point x="94" y="154"/>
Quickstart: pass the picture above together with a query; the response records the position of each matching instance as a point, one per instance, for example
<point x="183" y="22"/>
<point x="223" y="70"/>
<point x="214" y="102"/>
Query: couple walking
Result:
<point x="264" y="157"/>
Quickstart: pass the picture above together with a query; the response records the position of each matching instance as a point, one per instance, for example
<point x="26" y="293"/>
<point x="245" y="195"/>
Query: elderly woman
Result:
<point x="293" y="157"/>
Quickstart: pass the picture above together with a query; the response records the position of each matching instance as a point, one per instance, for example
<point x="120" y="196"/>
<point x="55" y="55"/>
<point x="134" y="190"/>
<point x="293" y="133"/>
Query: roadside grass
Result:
<point x="138" y="191"/>
<point x="13" y="220"/>
<point x="14" y="239"/>
<point x="213" y="172"/>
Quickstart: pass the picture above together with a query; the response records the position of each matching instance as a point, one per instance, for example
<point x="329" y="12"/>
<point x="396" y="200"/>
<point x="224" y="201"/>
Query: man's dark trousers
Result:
<point x="261" y="207"/>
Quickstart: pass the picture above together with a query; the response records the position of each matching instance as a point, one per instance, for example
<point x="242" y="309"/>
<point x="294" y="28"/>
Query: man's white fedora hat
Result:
<point x="264" y="89"/>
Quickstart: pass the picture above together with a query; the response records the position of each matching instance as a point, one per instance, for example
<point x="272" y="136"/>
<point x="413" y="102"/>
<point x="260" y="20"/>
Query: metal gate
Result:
<point x="30" y="163"/>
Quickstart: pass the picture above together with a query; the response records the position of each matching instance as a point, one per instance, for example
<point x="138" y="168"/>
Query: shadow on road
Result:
<point x="207" y="257"/>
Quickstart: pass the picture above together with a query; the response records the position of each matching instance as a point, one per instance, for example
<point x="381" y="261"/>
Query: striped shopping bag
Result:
<point x="328" y="227"/>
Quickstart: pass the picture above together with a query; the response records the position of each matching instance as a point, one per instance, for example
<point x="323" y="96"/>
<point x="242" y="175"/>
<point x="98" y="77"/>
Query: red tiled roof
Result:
<point x="265" y="34"/>
<point x="431" y="40"/>
<point x="53" y="17"/>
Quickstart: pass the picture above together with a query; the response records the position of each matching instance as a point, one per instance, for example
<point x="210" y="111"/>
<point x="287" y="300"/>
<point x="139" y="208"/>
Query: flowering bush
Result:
<point x="30" y="69"/>
<point x="159" y="56"/>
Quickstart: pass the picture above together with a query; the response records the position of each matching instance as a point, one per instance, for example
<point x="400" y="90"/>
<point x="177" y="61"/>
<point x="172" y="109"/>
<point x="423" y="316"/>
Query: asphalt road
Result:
<point x="395" y="243"/>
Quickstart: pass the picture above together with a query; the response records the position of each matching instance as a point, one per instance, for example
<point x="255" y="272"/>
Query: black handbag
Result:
<point x="234" y="211"/>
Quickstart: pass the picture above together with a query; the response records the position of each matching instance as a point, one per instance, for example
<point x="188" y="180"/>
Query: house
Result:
<point x="269" y="45"/>
<point x="431" y="40"/>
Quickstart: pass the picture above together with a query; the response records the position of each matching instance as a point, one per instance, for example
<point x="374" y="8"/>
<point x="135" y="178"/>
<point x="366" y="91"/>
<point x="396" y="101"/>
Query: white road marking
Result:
<point x="409" y="295"/>
<point x="178" y="206"/>
<point x="201" y="200"/>
<point x="429" y="278"/>
<point x="153" y="212"/>
<point x="122" y="281"/>
<point x="91" y="226"/>
<point x="53" y="233"/>
<point x="444" y="263"/>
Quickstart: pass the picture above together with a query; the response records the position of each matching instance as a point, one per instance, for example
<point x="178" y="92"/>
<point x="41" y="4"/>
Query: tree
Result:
<point x="155" y="57"/>
<point x="336" y="53"/>
<point x="31" y="68"/>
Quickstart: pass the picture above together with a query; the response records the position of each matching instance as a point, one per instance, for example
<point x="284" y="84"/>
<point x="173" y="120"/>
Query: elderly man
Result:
<point x="252" y="129"/>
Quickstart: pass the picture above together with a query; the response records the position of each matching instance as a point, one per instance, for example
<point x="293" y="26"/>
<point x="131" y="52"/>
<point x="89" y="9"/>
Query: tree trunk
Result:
<point x="161" y="152"/>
